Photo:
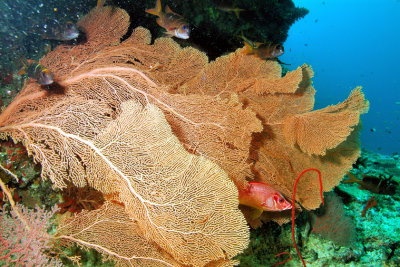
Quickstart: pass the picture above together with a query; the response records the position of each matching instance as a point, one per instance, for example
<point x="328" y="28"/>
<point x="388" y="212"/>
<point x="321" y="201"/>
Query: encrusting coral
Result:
<point x="158" y="130"/>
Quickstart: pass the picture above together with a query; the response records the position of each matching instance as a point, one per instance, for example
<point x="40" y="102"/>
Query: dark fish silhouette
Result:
<point x="55" y="30"/>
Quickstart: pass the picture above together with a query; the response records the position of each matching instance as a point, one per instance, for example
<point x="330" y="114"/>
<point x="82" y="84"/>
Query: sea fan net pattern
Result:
<point x="168" y="137"/>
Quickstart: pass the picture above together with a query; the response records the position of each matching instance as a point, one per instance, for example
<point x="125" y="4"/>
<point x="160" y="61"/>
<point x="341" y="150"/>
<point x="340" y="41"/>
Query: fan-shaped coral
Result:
<point x="294" y="137"/>
<point x="159" y="129"/>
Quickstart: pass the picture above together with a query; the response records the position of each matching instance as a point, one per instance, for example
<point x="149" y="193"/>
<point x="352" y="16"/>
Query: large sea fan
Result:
<point x="165" y="136"/>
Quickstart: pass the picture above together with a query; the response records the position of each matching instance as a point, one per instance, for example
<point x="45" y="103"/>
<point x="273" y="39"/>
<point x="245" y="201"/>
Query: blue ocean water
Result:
<point x="351" y="43"/>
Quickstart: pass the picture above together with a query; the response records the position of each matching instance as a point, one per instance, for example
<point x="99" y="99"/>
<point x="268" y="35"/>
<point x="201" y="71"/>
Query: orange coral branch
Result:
<point x="18" y="100"/>
<point x="284" y="261"/>
<point x="371" y="203"/>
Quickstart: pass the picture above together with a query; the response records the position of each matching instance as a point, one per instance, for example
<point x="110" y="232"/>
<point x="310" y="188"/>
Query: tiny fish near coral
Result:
<point x="60" y="31"/>
<point x="37" y="72"/>
<point x="172" y="22"/>
<point x="263" y="51"/>
<point x="377" y="185"/>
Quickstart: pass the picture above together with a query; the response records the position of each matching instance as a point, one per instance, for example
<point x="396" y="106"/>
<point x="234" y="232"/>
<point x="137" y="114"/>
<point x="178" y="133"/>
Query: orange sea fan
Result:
<point x="294" y="137"/>
<point x="160" y="129"/>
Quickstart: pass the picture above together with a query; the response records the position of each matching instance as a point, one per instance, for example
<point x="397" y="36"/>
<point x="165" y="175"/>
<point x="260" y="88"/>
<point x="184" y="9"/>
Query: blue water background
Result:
<point x="350" y="43"/>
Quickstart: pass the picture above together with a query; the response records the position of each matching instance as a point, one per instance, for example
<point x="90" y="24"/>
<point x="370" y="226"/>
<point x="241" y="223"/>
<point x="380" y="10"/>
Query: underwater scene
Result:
<point x="199" y="133"/>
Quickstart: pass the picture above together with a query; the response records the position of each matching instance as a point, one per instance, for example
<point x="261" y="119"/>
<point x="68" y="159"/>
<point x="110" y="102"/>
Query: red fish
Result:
<point x="172" y="22"/>
<point x="263" y="197"/>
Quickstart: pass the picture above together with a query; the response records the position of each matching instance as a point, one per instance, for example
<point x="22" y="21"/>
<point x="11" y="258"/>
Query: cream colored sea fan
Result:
<point x="98" y="126"/>
<point x="111" y="231"/>
<point x="183" y="204"/>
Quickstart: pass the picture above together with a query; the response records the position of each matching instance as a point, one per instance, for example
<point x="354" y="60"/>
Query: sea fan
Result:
<point x="167" y="136"/>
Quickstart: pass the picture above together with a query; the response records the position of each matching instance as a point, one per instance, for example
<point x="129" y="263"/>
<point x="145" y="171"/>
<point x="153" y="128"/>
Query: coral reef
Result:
<point x="377" y="234"/>
<point x="165" y="136"/>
